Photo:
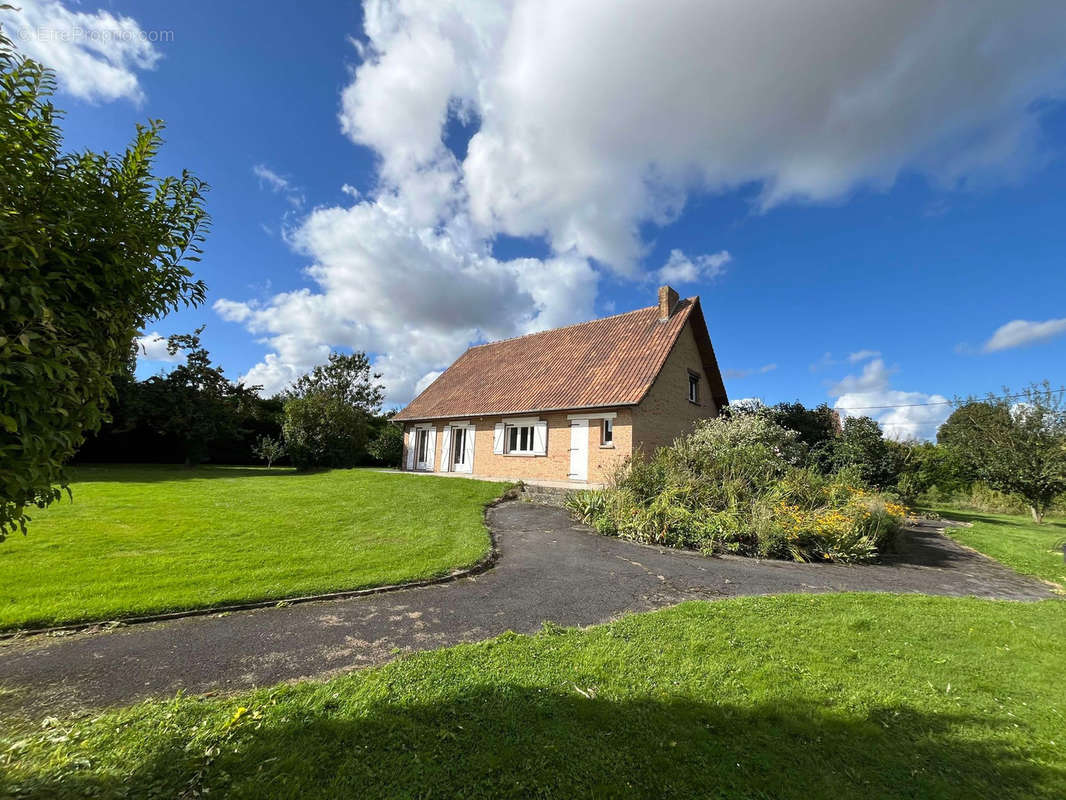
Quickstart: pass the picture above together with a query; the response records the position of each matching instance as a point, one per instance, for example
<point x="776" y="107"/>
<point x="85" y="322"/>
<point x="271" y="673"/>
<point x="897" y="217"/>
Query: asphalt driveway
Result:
<point x="549" y="569"/>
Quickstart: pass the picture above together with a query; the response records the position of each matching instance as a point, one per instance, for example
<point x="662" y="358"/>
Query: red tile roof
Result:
<point x="605" y="362"/>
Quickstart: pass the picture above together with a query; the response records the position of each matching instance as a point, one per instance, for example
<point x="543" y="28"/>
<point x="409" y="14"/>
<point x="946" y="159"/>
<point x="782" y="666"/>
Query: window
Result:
<point x="458" y="445"/>
<point x="607" y="438"/>
<point x="693" y="387"/>
<point x="421" y="439"/>
<point x="519" y="439"/>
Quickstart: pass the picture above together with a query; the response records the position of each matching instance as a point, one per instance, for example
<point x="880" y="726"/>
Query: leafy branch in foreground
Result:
<point x="92" y="247"/>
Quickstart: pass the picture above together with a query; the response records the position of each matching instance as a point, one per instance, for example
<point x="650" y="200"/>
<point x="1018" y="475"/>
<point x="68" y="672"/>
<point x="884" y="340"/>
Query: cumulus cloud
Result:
<point x="903" y="415"/>
<point x="874" y="376"/>
<point x="593" y="121"/>
<point x="1021" y="332"/>
<point x="598" y="117"/>
<point x="415" y="297"/>
<point x="679" y="268"/>
<point x="153" y="347"/>
<point x="96" y="56"/>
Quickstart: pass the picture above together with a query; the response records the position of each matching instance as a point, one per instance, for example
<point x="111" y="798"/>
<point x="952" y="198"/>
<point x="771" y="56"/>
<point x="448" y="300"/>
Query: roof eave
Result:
<point x="518" y="412"/>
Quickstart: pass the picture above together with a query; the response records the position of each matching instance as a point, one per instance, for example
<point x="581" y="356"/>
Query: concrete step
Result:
<point x="545" y="495"/>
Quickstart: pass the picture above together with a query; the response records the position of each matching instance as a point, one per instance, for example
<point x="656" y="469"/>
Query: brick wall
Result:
<point x="553" y="466"/>
<point x="665" y="412"/>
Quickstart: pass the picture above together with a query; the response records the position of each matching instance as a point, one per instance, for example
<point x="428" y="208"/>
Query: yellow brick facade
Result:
<point x="663" y="414"/>
<point x="555" y="465"/>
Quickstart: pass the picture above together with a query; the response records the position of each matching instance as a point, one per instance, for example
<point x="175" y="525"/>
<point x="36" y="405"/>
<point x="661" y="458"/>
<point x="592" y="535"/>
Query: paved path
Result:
<point x="549" y="569"/>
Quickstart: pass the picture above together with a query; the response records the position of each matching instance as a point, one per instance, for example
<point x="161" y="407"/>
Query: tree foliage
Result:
<point x="863" y="450"/>
<point x="269" y="449"/>
<point x="196" y="403"/>
<point x="192" y="414"/>
<point x="329" y="410"/>
<point x="348" y="378"/>
<point x="92" y="247"/>
<point x="387" y="446"/>
<point x="321" y="430"/>
<point x="1017" y="447"/>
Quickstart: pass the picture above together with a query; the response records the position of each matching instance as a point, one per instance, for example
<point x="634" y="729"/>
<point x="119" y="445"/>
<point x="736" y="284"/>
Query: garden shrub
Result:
<point x="735" y="485"/>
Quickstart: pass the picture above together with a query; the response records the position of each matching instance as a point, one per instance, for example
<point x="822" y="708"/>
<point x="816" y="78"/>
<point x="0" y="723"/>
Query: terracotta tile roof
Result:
<point x="605" y="362"/>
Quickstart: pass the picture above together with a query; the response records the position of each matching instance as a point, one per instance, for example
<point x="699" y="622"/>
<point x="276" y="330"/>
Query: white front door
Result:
<point x="423" y="453"/>
<point x="579" y="450"/>
<point x="462" y="449"/>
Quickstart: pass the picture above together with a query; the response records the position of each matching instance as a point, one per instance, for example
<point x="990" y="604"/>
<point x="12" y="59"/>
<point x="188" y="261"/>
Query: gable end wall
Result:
<point x="665" y="412"/>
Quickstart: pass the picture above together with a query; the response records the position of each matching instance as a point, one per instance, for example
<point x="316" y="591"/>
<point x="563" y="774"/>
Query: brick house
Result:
<point x="568" y="404"/>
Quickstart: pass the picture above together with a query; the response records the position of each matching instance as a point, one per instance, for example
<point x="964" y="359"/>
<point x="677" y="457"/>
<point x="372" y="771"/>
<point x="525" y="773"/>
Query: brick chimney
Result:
<point x="667" y="302"/>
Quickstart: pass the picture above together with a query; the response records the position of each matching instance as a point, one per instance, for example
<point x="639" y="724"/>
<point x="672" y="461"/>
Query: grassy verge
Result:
<point x="146" y="539"/>
<point x="832" y="696"/>
<point x="1015" y="541"/>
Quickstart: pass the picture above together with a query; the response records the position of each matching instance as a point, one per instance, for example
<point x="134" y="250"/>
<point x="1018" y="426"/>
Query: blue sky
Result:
<point x="868" y="198"/>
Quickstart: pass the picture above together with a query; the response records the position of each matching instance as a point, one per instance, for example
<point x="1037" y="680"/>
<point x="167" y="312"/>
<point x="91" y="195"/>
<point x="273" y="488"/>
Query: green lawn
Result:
<point x="1015" y="541"/>
<point x="832" y="696"/>
<point x="153" y="538"/>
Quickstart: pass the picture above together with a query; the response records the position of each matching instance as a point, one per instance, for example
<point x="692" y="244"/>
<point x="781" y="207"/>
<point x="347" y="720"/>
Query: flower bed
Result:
<point x="734" y="485"/>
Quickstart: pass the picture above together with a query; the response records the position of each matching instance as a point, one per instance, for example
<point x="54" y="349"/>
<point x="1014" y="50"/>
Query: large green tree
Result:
<point x="1014" y="444"/>
<point x="92" y="248"/>
<point x="348" y="378"/>
<point x="862" y="449"/>
<point x="197" y="404"/>
<point x="328" y="412"/>
<point x="322" y="431"/>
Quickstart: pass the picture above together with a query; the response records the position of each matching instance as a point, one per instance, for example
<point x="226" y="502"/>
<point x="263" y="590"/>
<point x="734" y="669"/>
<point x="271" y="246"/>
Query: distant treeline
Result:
<point x="194" y="414"/>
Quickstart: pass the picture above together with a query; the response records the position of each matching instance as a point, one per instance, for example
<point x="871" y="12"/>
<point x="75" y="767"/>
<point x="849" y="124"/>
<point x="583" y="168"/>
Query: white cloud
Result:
<point x="1022" y="332"/>
<point x="153" y="347"/>
<point x="278" y="184"/>
<point x="902" y="415"/>
<point x="270" y="178"/>
<point x="413" y="296"/>
<point x="95" y="56"/>
<point x="736" y="374"/>
<point x="426" y="380"/>
<point x="862" y="355"/>
<point x="874" y="376"/>
<point x="578" y="139"/>
<point x="679" y="268"/>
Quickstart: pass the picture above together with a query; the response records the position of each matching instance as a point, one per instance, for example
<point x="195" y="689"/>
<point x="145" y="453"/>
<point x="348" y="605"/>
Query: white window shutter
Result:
<point x="412" y="440"/>
<point x="540" y="439"/>
<point x="497" y="439"/>
<point x="431" y="448"/>
<point x="445" y="448"/>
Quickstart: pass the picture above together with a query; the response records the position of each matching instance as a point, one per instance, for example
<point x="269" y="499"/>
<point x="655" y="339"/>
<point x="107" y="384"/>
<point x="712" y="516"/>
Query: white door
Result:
<point x="423" y="454"/>
<point x="463" y="449"/>
<point x="445" y="449"/>
<point x="579" y="450"/>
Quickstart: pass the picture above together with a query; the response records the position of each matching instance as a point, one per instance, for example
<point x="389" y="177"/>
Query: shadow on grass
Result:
<point x="515" y="741"/>
<point x="165" y="473"/>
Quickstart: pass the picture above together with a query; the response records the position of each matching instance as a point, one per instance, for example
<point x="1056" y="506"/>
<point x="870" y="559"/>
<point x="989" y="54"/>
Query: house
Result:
<point x="568" y="404"/>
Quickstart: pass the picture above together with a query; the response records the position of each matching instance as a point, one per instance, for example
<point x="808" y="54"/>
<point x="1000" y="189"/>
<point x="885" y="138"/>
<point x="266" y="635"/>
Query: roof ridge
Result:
<point x="573" y="325"/>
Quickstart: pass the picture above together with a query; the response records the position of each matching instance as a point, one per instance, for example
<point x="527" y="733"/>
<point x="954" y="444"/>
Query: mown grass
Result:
<point x="145" y="539"/>
<point x="832" y="696"/>
<point x="1015" y="541"/>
